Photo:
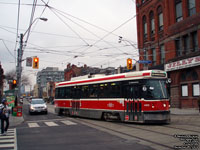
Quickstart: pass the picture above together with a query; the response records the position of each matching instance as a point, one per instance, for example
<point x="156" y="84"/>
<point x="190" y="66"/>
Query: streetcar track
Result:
<point x="166" y="127"/>
<point x="122" y="133"/>
<point x="182" y="129"/>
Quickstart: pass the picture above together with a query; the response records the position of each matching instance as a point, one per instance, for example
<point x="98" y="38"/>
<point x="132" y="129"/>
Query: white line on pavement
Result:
<point x="33" y="125"/>
<point x="51" y="124"/>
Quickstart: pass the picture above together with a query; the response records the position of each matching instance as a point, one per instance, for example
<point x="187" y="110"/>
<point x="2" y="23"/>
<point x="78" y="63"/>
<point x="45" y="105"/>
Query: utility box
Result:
<point x="14" y="113"/>
<point x="17" y="111"/>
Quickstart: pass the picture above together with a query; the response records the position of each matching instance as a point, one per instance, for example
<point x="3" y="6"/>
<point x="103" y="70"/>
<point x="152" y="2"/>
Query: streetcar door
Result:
<point x="132" y="102"/>
<point x="76" y="101"/>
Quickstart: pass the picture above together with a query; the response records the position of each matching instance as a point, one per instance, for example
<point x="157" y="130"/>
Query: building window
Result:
<point x="184" y="90"/>
<point x="160" y="19"/>
<point x="152" y="25"/>
<point x="145" y="27"/>
<point x="179" y="13"/>
<point x="178" y="47"/>
<point x="186" y="44"/>
<point x="154" y="56"/>
<point x="194" y="41"/>
<point x="162" y="52"/>
<point x="191" y="7"/>
<point x="195" y="89"/>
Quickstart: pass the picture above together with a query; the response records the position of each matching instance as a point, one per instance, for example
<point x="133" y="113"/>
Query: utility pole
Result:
<point x="19" y="67"/>
<point x="19" y="59"/>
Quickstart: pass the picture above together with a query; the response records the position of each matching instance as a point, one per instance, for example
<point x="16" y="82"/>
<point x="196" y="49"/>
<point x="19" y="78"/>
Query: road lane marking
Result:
<point x="68" y="122"/>
<point x="51" y="124"/>
<point x="33" y="125"/>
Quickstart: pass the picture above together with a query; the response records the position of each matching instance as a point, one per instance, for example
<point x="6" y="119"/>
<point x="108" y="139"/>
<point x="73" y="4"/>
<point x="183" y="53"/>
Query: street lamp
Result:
<point x="19" y="57"/>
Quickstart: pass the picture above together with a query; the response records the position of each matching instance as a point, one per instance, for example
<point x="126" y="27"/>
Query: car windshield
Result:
<point x="37" y="102"/>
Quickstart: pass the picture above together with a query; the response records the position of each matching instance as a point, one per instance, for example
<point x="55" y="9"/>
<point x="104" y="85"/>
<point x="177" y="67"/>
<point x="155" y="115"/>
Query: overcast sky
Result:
<point x="77" y="32"/>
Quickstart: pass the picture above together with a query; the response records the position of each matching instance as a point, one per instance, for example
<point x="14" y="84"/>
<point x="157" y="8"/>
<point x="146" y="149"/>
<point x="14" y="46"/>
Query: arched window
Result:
<point x="160" y="18"/>
<point x="144" y="21"/>
<point x="152" y="24"/>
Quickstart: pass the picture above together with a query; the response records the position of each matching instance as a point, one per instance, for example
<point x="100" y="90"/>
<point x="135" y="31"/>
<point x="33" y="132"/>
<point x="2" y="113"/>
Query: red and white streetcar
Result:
<point x="139" y="96"/>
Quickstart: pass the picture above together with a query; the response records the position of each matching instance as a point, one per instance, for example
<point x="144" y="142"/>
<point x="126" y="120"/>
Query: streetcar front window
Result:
<point x="154" y="89"/>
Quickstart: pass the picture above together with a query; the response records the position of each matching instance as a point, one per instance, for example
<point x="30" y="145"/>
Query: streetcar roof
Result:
<point x="116" y="77"/>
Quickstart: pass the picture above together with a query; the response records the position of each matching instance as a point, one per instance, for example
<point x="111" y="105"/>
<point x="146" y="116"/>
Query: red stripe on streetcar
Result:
<point x="146" y="74"/>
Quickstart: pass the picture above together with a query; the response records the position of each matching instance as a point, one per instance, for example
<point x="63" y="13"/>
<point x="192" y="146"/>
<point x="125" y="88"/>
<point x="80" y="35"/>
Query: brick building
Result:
<point x="169" y="36"/>
<point x="1" y="81"/>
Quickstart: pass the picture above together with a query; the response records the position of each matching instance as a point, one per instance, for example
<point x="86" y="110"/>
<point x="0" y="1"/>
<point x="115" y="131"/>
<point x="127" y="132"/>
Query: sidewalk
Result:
<point x="14" y="120"/>
<point x="189" y="111"/>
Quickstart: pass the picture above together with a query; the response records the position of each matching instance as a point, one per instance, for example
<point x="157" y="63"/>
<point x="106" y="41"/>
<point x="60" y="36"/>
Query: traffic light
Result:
<point x="14" y="84"/>
<point x="129" y="64"/>
<point x="35" y="62"/>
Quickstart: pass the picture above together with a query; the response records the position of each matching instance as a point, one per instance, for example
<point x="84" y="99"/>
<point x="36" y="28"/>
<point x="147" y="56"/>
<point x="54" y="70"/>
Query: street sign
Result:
<point x="144" y="61"/>
<point x="29" y="61"/>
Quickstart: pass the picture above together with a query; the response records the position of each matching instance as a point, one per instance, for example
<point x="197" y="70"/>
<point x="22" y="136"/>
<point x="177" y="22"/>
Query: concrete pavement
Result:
<point x="14" y="121"/>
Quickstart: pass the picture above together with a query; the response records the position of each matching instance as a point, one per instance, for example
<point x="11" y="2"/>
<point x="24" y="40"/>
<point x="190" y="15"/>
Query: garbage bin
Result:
<point x="19" y="111"/>
<point x="14" y="113"/>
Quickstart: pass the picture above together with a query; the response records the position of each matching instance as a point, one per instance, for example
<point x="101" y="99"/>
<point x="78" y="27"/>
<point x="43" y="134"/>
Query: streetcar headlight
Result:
<point x="164" y="105"/>
<point x="153" y="106"/>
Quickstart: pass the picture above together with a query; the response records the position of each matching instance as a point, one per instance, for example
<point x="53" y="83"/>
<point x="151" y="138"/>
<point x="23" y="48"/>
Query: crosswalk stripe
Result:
<point x="7" y="140"/>
<point x="68" y="122"/>
<point x="33" y="125"/>
<point x="6" y="145"/>
<point x="51" y="124"/>
<point x="7" y="137"/>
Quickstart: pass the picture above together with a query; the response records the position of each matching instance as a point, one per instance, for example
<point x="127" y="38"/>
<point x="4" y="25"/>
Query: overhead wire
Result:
<point x="68" y="25"/>
<point x="31" y="20"/>
<point x="17" y="33"/>
<point x="91" y="33"/>
<point x="89" y="24"/>
<point x="7" y="48"/>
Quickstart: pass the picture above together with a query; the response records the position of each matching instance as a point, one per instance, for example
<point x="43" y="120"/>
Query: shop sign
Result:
<point x="181" y="64"/>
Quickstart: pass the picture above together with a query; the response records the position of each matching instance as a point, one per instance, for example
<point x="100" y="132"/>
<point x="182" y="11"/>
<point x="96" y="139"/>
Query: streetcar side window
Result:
<point x="103" y="90"/>
<point x="93" y="91"/>
<point x="67" y="92"/>
<point x="132" y="89"/>
<point x="115" y="90"/>
<point x="56" y="93"/>
<point x="85" y="91"/>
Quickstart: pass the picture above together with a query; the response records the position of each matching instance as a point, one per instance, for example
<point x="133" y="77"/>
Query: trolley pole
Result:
<point x="19" y="67"/>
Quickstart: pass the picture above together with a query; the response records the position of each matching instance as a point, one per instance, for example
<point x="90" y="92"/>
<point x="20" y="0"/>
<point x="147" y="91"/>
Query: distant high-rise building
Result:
<point x="50" y="74"/>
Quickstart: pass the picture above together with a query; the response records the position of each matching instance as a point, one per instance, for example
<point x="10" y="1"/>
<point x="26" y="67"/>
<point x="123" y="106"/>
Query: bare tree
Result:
<point x="12" y="75"/>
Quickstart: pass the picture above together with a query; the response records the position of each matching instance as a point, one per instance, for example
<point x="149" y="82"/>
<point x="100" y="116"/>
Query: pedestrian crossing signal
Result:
<point x="129" y="64"/>
<point x="35" y="63"/>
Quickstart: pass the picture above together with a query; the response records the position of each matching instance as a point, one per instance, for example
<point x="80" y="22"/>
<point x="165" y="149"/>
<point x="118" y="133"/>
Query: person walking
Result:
<point x="5" y="112"/>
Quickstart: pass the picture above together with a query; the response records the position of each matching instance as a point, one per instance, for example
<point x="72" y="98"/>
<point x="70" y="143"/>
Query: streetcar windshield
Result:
<point x="154" y="89"/>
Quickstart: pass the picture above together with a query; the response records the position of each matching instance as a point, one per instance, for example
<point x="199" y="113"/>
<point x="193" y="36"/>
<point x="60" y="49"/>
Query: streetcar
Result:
<point x="139" y="96"/>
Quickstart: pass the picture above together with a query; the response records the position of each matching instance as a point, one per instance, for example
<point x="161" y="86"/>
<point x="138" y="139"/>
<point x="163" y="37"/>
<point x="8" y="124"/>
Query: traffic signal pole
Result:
<point x="19" y="67"/>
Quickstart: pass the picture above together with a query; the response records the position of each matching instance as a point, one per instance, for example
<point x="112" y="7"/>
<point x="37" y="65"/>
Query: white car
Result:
<point x="37" y="105"/>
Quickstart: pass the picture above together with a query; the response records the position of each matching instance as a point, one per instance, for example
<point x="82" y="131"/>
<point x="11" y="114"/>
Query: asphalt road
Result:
<point x="52" y="132"/>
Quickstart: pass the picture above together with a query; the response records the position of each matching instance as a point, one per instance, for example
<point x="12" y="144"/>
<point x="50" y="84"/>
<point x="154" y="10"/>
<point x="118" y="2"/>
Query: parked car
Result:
<point x="38" y="105"/>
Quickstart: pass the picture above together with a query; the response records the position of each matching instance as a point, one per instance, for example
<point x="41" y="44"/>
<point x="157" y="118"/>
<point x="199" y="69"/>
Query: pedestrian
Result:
<point x="5" y="112"/>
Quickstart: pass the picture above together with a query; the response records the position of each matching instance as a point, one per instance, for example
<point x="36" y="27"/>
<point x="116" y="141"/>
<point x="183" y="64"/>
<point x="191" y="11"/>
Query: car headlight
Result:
<point x="32" y="108"/>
